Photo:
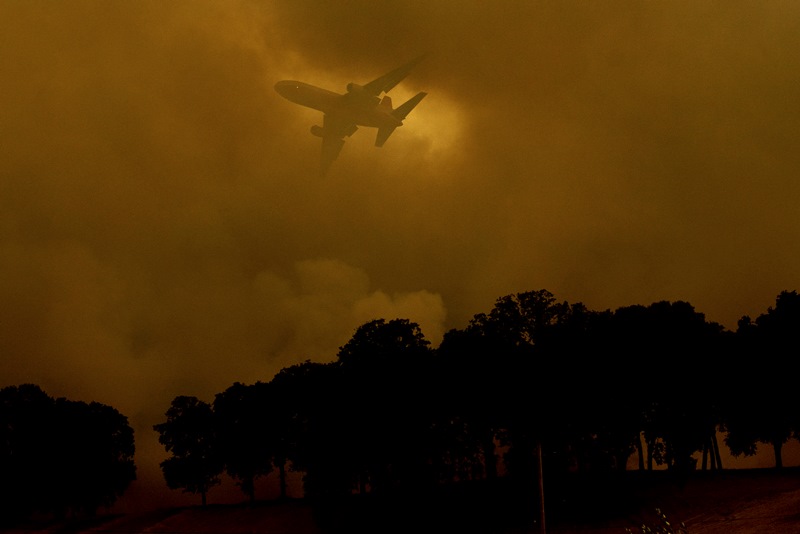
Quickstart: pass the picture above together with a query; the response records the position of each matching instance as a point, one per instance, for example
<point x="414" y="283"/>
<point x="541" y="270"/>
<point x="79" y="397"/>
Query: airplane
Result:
<point x="361" y="105"/>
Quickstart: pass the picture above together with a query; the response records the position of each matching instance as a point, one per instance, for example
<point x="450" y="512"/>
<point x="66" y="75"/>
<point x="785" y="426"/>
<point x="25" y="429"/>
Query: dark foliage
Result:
<point x="592" y="390"/>
<point x="191" y="435"/>
<point x="761" y="405"/>
<point x="245" y="436"/>
<point x="59" y="456"/>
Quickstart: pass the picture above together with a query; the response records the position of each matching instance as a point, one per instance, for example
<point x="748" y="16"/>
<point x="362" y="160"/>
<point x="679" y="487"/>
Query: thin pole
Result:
<point x="542" y="528"/>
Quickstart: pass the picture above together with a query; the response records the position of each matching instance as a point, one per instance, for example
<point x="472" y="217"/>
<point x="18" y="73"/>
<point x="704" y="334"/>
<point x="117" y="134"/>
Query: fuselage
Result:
<point x="361" y="110"/>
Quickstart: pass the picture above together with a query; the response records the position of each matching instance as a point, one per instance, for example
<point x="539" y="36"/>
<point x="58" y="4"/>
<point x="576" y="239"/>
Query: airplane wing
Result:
<point x="333" y="131"/>
<point x="390" y="79"/>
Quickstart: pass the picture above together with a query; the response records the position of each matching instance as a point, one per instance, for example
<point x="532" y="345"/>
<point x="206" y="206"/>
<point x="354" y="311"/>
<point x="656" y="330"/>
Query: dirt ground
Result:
<point x="748" y="501"/>
<point x="732" y="502"/>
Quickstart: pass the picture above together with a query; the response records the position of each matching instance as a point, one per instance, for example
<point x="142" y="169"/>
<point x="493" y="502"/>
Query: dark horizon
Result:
<point x="561" y="342"/>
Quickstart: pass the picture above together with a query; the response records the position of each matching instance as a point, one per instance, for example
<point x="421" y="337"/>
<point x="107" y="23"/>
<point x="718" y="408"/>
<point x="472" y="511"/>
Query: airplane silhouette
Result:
<point x="361" y="105"/>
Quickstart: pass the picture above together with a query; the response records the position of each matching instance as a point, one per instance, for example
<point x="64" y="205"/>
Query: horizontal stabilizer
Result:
<point x="403" y="110"/>
<point x="400" y="114"/>
<point x="383" y="135"/>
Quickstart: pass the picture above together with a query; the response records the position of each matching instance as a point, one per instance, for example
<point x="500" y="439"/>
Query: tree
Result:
<point x="679" y="355"/>
<point x="244" y="433"/>
<point x="384" y="403"/>
<point x="601" y="415"/>
<point x="761" y="405"/>
<point x="59" y="456"/>
<point x="280" y="414"/>
<point x="520" y="331"/>
<point x="310" y="421"/>
<point x="27" y="419"/>
<point x="189" y="433"/>
<point x="468" y="408"/>
<point x="95" y="459"/>
<point x="521" y="319"/>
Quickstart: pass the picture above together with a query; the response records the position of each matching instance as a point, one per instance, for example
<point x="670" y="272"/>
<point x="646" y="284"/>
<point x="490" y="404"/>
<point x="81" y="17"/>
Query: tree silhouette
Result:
<point x="599" y="421"/>
<point x="189" y="434"/>
<point x="244" y="432"/>
<point x="384" y="410"/>
<point x="311" y="427"/>
<point x="287" y="418"/>
<point x="59" y="456"/>
<point x="27" y="418"/>
<point x="681" y="353"/>
<point x="760" y="405"/>
<point x="518" y="329"/>
<point x="626" y="379"/>
<point x="95" y="461"/>
<point x="537" y="376"/>
<point x="469" y="411"/>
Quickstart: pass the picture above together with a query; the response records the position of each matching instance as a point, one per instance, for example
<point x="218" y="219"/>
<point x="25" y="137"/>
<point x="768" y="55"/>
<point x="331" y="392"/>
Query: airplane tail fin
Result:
<point x="400" y="114"/>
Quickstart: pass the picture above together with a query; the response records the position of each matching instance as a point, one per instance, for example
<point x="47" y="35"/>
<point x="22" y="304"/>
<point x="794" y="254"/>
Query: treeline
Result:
<point x="60" y="457"/>
<point x="589" y="390"/>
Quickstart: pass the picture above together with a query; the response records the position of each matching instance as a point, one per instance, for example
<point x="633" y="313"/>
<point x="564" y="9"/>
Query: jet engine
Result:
<point x="354" y="88"/>
<point x="347" y="130"/>
<point x="357" y="93"/>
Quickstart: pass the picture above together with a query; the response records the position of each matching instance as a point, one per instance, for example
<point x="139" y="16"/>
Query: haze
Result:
<point x="164" y="229"/>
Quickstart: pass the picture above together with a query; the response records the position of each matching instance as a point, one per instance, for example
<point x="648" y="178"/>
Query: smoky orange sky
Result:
<point x="164" y="228"/>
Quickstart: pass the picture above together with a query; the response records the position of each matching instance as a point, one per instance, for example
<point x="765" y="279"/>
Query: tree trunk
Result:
<point x="251" y="490"/>
<point x="282" y="478"/>
<point x="203" y="499"/>
<point x="777" y="447"/>
<point x="715" y="445"/>
<point x="621" y="461"/>
<point x="704" y="463"/>
<point x="640" y="450"/>
<point x="710" y="454"/>
<point x="489" y="457"/>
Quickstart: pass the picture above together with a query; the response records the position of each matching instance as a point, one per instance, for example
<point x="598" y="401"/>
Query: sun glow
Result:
<point x="437" y="120"/>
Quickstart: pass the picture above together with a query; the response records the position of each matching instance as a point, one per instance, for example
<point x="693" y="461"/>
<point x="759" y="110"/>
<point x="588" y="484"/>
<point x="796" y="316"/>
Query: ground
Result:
<point x="730" y="502"/>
